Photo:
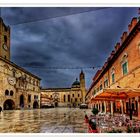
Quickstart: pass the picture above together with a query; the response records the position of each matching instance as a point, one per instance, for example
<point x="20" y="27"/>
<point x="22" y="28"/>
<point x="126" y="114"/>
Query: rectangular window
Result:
<point x="35" y="96"/>
<point x="94" y="92"/>
<point x="33" y="88"/>
<point x="106" y="83"/>
<point x="97" y="89"/>
<point x="101" y="87"/>
<point x="68" y="98"/>
<point x="73" y="95"/>
<point x="75" y="99"/>
<point x="29" y="98"/>
<point x="14" y="73"/>
<point x="113" y="77"/>
<point x="124" y="67"/>
<point x="64" y="98"/>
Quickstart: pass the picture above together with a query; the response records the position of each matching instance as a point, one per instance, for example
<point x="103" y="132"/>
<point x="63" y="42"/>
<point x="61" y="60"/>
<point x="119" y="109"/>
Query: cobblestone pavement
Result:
<point x="55" y="120"/>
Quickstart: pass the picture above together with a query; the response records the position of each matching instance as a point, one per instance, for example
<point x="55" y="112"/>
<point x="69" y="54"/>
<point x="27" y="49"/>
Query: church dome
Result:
<point x="76" y="83"/>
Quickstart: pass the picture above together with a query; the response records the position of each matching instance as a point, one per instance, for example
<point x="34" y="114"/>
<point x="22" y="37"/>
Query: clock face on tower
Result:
<point x="11" y="81"/>
<point x="5" y="47"/>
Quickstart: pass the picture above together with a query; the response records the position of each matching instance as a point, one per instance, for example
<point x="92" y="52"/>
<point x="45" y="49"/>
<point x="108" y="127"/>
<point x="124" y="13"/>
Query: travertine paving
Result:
<point x="54" y="120"/>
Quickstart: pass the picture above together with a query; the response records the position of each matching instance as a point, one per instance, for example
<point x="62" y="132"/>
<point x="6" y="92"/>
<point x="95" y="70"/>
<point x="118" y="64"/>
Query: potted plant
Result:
<point x="95" y="111"/>
<point x="129" y="129"/>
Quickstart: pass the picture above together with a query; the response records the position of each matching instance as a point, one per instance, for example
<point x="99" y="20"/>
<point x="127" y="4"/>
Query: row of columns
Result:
<point x="108" y="106"/>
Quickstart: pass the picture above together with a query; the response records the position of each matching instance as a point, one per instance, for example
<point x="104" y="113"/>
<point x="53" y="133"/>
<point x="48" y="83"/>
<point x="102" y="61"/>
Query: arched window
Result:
<point x="6" y="92"/>
<point x="68" y="98"/>
<point x="11" y="93"/>
<point x="64" y="98"/>
<point x="124" y="64"/>
<point x="113" y="75"/>
<point x="106" y="82"/>
<point x="33" y="82"/>
<point x="5" y="39"/>
<point x="101" y="87"/>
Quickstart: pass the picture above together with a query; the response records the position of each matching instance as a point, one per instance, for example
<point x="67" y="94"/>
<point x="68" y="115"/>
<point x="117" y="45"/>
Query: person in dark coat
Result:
<point x="131" y="113"/>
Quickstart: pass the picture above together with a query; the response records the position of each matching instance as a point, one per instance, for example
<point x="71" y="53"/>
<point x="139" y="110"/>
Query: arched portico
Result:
<point x="35" y="104"/>
<point x="9" y="105"/>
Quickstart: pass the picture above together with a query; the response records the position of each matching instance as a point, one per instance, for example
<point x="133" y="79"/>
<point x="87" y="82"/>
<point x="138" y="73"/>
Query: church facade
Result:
<point x="65" y="97"/>
<point x="18" y="87"/>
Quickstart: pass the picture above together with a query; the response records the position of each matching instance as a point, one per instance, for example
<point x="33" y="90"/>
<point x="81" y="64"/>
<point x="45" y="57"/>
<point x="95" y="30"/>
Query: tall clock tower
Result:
<point x="4" y="40"/>
<point x="82" y="85"/>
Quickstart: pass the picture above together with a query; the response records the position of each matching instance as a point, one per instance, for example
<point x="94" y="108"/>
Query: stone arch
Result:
<point x="35" y="104"/>
<point x="9" y="105"/>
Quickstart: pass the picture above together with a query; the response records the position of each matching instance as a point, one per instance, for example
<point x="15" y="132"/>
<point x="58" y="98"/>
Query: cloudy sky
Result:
<point x="43" y="38"/>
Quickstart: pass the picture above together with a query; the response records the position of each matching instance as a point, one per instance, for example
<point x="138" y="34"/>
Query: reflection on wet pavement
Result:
<point x="55" y="120"/>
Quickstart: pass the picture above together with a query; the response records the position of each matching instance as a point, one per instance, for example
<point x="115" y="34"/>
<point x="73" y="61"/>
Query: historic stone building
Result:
<point x="65" y="97"/>
<point x="18" y="87"/>
<point x="116" y="87"/>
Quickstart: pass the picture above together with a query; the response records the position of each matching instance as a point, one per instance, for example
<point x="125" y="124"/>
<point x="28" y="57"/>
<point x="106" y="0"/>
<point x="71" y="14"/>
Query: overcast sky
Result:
<point x="84" y="40"/>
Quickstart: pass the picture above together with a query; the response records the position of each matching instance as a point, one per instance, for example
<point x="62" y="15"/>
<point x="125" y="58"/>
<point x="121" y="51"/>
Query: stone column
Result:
<point x="121" y="102"/>
<point x="100" y="106"/>
<point x="104" y="106"/>
<point x="25" y="101"/>
<point x="97" y="105"/>
<point x="111" y="111"/>
<point x="124" y="106"/>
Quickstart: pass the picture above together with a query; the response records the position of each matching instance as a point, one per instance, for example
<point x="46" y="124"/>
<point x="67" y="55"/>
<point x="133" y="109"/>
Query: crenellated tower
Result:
<point x="4" y="40"/>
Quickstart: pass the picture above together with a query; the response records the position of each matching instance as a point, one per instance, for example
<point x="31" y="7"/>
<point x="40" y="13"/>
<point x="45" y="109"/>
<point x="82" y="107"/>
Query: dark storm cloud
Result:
<point x="29" y="14"/>
<point x="77" y="40"/>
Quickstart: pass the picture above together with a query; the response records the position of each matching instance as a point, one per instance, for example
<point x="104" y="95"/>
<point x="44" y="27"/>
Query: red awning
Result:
<point x="118" y="93"/>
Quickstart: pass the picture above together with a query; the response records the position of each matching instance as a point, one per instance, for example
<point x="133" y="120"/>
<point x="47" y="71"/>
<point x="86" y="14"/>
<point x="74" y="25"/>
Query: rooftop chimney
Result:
<point x="124" y="36"/>
<point x="117" y="47"/>
<point x="132" y="24"/>
<point x="112" y="53"/>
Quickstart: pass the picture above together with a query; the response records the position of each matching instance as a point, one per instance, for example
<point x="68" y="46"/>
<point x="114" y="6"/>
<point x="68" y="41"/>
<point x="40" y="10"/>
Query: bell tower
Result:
<point x="4" y="40"/>
<point x="82" y="85"/>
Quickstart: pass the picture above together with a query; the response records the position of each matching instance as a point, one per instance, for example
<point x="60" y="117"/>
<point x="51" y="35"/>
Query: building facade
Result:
<point x="65" y="97"/>
<point x="121" y="72"/>
<point x="18" y="87"/>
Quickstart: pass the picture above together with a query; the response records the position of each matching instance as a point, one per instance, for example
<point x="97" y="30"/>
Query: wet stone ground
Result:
<point x="55" y="120"/>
